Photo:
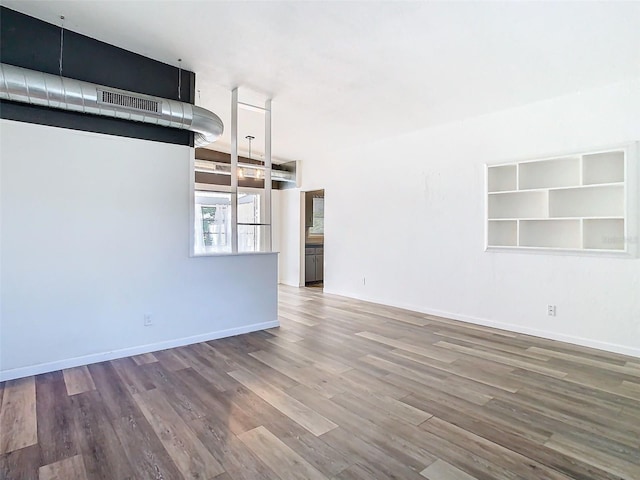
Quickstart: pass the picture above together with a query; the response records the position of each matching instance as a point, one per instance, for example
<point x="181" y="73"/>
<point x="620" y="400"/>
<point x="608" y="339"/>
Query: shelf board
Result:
<point x="514" y="191"/>
<point x="594" y="185"/>
<point x="511" y="219"/>
<point x="554" y="218"/>
<point x="517" y="248"/>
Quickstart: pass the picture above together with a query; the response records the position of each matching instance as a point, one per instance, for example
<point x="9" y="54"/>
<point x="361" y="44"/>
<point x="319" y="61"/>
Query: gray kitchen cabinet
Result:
<point x="313" y="264"/>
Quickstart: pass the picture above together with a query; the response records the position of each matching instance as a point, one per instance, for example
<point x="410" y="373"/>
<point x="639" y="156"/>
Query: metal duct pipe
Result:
<point x="38" y="88"/>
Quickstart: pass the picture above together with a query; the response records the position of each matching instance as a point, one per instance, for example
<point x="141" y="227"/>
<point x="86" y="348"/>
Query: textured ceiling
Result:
<point x="344" y="73"/>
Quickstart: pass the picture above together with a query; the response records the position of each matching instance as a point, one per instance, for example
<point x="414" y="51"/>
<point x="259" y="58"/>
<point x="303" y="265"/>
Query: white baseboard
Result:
<point x="510" y="327"/>
<point x="127" y="352"/>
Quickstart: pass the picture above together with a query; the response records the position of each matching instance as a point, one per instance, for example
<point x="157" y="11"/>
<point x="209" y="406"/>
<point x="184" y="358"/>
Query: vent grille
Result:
<point x="128" y="101"/>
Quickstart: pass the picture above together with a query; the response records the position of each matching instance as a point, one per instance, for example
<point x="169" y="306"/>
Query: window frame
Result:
<point x="194" y="228"/>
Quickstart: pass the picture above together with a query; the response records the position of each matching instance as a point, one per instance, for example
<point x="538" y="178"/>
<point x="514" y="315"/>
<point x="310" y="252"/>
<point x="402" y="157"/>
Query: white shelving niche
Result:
<point x="584" y="203"/>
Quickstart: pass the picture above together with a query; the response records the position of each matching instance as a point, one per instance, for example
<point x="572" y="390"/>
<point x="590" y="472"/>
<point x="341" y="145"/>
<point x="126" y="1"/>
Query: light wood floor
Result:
<point x="342" y="390"/>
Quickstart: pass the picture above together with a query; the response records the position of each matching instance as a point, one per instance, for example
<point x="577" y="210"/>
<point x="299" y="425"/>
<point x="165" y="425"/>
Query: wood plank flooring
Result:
<point x="343" y="390"/>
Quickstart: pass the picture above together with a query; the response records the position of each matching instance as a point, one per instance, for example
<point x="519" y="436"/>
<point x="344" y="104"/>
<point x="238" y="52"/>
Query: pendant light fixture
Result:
<point x="250" y="138"/>
<point x="240" y="170"/>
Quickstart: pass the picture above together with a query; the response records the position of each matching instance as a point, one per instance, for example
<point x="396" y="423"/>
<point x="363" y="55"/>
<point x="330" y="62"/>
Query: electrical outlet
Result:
<point x="147" y="320"/>
<point x="551" y="310"/>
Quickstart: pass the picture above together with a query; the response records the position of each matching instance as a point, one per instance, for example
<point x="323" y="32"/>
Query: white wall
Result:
<point x="94" y="234"/>
<point x="407" y="214"/>
<point x="289" y="217"/>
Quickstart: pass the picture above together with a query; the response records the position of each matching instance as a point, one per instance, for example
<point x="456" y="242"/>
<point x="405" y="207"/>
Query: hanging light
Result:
<point x="250" y="138"/>
<point x="240" y="171"/>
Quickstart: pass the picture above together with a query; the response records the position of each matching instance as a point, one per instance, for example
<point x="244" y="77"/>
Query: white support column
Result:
<point x="267" y="172"/>
<point x="234" y="170"/>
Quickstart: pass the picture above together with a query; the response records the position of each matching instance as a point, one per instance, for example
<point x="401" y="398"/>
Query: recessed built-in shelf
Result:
<point x="550" y="233"/>
<point x="581" y="202"/>
<point x="519" y="204"/>
<point x="605" y="167"/>
<point x="603" y="234"/>
<point x="601" y="201"/>
<point x="503" y="233"/>
<point x="503" y="178"/>
<point x="559" y="172"/>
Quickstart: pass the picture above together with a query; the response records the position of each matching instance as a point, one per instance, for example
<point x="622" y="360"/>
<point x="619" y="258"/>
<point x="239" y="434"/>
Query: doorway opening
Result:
<point x="314" y="239"/>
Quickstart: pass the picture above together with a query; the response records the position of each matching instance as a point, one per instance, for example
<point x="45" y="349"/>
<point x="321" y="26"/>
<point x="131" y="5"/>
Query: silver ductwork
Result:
<point x="38" y="88"/>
